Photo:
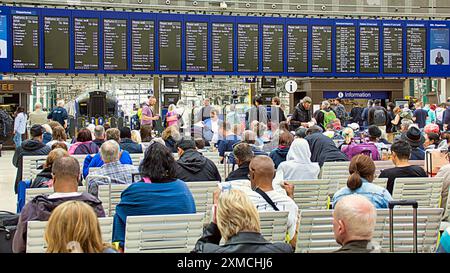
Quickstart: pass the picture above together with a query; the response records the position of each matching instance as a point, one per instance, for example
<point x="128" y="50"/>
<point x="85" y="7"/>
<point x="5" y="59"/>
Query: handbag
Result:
<point x="8" y="225"/>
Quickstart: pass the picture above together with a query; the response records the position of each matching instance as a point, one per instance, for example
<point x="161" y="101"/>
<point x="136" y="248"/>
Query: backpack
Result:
<point x="328" y="117"/>
<point x="379" y="117"/>
<point x="368" y="149"/>
<point x="8" y="225"/>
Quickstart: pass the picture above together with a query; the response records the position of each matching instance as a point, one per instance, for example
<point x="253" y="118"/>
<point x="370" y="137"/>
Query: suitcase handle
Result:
<point x="412" y="203"/>
<point x="392" y="204"/>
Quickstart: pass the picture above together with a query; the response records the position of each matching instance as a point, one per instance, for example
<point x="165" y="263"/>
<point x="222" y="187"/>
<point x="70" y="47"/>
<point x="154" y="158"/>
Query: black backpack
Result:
<point x="8" y="225"/>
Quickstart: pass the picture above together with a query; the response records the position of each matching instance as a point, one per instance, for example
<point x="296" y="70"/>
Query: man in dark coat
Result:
<point x="66" y="171"/>
<point x="302" y="114"/>
<point x="33" y="146"/>
<point x="243" y="154"/>
<point x="127" y="144"/>
<point x="193" y="166"/>
<point x="323" y="149"/>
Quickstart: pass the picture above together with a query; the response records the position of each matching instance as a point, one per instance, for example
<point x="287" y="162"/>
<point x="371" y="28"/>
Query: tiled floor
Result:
<point x="8" y="199"/>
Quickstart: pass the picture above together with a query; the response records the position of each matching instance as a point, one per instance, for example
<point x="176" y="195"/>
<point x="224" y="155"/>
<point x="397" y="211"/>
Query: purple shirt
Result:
<point x="146" y="111"/>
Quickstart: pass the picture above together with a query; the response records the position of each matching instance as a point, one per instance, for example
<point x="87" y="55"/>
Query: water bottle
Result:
<point x="226" y="186"/>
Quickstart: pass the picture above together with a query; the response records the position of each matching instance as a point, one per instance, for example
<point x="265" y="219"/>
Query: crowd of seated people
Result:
<point x="259" y="183"/>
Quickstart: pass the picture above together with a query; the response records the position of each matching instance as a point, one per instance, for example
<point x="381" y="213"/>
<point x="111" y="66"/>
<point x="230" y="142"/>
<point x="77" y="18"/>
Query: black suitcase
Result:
<point x="8" y="224"/>
<point x="392" y="204"/>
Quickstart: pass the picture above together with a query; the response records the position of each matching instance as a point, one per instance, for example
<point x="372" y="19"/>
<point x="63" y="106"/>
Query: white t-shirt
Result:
<point x="215" y="129"/>
<point x="283" y="203"/>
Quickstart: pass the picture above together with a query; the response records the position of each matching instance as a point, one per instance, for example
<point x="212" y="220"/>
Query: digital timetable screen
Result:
<point x="345" y="49"/>
<point x="222" y="36"/>
<point x="169" y="46"/>
<point x="25" y="37"/>
<point x="369" y="49"/>
<point x="196" y="47"/>
<point x="297" y="52"/>
<point x="392" y="50"/>
<point x="115" y="44"/>
<point x="416" y="49"/>
<point x="56" y="43"/>
<point x="86" y="55"/>
<point x="49" y="40"/>
<point x="143" y="45"/>
<point x="273" y="51"/>
<point x="321" y="49"/>
<point x="248" y="48"/>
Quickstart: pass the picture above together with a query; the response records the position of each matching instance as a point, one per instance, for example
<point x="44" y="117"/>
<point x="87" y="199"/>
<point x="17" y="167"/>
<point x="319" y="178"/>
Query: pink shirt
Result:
<point x="146" y="111"/>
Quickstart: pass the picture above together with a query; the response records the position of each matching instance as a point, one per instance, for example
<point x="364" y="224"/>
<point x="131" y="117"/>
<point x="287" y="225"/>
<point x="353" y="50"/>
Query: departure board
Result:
<point x="86" y="43"/>
<point x="25" y="32"/>
<point x="248" y="48"/>
<point x="273" y="56"/>
<point x="369" y="49"/>
<point x="321" y="49"/>
<point x="196" y="47"/>
<point x="142" y="45"/>
<point x="115" y="44"/>
<point x="297" y="52"/>
<point x="392" y="50"/>
<point x="222" y="47"/>
<point x="169" y="46"/>
<point x="345" y="49"/>
<point x="56" y="43"/>
<point x="416" y="48"/>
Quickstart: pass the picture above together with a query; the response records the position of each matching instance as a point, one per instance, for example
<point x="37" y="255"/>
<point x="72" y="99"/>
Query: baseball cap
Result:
<point x="37" y="130"/>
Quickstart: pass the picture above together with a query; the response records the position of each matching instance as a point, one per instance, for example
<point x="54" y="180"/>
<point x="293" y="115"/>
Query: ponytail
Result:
<point x="354" y="181"/>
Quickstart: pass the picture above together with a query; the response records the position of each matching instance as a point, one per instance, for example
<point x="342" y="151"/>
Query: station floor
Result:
<point x="8" y="200"/>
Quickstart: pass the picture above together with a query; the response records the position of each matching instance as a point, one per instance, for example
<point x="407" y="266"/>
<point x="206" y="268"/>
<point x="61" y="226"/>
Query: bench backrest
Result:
<point x="313" y="194"/>
<point x="425" y="190"/>
<point x="36" y="230"/>
<point x="176" y="233"/>
<point x="203" y="196"/>
<point x="274" y="225"/>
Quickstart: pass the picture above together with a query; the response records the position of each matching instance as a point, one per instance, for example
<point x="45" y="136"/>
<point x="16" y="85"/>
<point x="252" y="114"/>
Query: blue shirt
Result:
<point x="151" y="199"/>
<point x="379" y="196"/>
<point x="96" y="161"/>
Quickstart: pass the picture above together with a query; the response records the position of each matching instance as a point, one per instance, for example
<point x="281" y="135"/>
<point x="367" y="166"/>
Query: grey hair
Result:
<point x="109" y="151"/>
<point x="60" y="103"/>
<point x="358" y="214"/>
<point x="99" y="131"/>
<point x="37" y="105"/>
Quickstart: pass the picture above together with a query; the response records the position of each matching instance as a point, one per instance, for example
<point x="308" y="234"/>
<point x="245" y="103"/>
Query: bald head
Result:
<point x="354" y="218"/>
<point x="66" y="172"/>
<point x="262" y="171"/>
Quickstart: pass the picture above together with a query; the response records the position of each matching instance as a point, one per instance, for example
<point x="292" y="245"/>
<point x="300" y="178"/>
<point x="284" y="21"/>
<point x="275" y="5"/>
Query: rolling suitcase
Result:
<point x="392" y="204"/>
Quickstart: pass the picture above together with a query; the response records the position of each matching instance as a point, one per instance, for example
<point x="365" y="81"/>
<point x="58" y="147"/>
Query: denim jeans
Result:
<point x="17" y="139"/>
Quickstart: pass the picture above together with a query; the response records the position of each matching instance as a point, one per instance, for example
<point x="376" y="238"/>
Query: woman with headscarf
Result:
<point x="298" y="165"/>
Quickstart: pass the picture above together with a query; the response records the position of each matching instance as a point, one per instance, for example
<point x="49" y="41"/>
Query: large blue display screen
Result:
<point x="41" y="40"/>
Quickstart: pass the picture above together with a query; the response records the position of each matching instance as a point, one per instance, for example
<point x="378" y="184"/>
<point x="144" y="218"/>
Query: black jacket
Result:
<point x="28" y="147"/>
<point x="362" y="246"/>
<point x="299" y="116"/>
<point x="323" y="149"/>
<point x="193" y="166"/>
<point x="240" y="173"/>
<point x="243" y="242"/>
<point x="171" y="144"/>
<point x="99" y="142"/>
<point x="44" y="176"/>
<point x="130" y="146"/>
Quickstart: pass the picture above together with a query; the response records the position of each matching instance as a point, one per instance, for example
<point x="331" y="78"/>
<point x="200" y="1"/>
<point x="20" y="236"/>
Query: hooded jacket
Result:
<point x="278" y="155"/>
<point x="130" y="146"/>
<point x="28" y="147"/>
<point x="171" y="144"/>
<point x="323" y="149"/>
<point x="298" y="163"/>
<point x="40" y="208"/>
<point x="193" y="166"/>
